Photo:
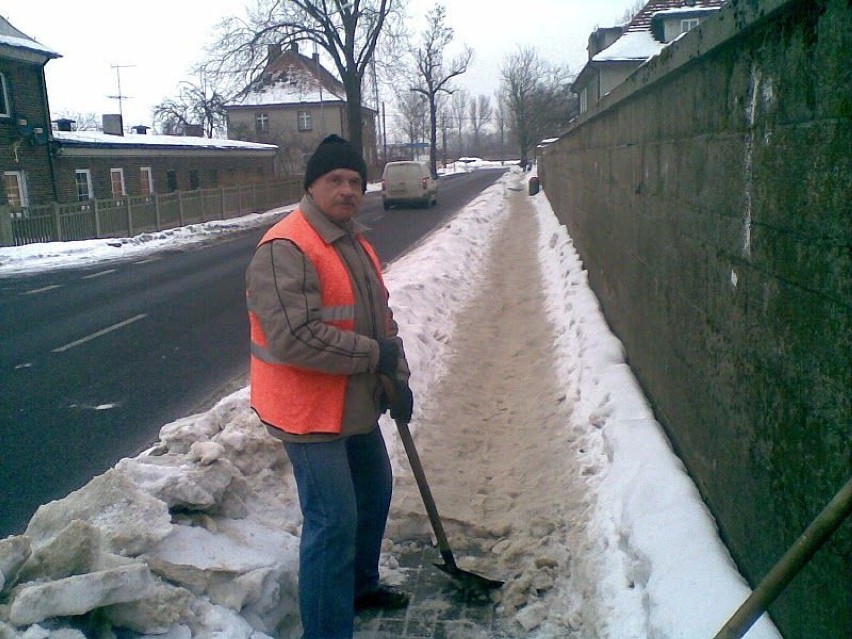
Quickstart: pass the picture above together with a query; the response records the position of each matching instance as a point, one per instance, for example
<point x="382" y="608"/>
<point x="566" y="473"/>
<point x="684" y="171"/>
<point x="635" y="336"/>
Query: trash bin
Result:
<point x="534" y="185"/>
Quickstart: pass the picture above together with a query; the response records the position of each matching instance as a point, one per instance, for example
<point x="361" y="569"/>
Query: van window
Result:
<point x="403" y="171"/>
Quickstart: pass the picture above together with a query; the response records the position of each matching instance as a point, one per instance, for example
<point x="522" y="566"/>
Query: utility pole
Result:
<point x="120" y="97"/>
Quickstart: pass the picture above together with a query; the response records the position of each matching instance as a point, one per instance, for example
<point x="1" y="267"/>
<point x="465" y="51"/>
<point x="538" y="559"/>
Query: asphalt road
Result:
<point x="94" y="360"/>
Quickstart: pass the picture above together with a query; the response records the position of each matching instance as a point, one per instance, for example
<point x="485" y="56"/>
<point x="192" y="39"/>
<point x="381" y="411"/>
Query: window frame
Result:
<point x="304" y="121"/>
<point x="261" y="121"/>
<point x="90" y="193"/>
<point x="146" y="180"/>
<point x="688" y="24"/>
<point x="5" y="107"/>
<point x="23" y="197"/>
<point x="120" y="173"/>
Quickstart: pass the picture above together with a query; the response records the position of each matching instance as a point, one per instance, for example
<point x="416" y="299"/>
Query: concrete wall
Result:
<point x="709" y="197"/>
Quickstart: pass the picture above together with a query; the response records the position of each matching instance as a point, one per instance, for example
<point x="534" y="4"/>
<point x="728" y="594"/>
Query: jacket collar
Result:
<point x="329" y="230"/>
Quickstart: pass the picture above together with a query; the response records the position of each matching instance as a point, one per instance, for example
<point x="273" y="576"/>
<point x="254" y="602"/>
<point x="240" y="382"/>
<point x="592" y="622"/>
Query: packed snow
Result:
<point x="540" y="447"/>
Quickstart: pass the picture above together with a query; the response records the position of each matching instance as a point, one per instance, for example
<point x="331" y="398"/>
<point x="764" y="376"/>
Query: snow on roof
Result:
<point x="633" y="45"/>
<point x="687" y="9"/>
<point x="286" y="93"/>
<point x="12" y="37"/>
<point x="96" y="138"/>
<point x="291" y="78"/>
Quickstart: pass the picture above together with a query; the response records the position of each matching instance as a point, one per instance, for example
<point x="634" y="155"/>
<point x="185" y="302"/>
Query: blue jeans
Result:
<point x="344" y="491"/>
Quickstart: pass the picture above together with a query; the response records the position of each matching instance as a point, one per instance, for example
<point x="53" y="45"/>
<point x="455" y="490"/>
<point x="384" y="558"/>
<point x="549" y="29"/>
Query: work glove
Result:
<point x="402" y="405"/>
<point x="388" y="358"/>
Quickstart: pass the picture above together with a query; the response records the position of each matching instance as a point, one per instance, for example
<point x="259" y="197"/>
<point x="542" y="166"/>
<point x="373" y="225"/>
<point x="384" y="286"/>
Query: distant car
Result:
<point x="408" y="183"/>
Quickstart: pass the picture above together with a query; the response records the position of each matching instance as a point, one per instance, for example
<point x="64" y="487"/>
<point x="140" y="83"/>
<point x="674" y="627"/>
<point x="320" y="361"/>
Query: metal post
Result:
<point x="789" y="565"/>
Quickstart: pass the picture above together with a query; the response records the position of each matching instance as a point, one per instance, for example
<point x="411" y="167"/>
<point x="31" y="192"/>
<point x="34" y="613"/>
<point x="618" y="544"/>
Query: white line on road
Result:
<point x="104" y="331"/>
<point x="42" y="289"/>
<point x="98" y="274"/>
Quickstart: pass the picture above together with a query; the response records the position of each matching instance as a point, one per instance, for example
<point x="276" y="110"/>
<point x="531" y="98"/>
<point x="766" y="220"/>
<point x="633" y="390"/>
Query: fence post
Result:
<point x="222" y="199"/>
<point x="129" y="217"/>
<point x="57" y="221"/>
<point x="157" y="211"/>
<point x="97" y="219"/>
<point x="7" y="238"/>
<point x="180" y="208"/>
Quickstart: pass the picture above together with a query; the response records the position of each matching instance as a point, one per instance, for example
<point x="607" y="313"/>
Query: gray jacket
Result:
<point x="284" y="289"/>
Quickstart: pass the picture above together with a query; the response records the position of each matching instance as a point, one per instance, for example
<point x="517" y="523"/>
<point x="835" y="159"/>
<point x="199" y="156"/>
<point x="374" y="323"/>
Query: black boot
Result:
<point x="385" y="597"/>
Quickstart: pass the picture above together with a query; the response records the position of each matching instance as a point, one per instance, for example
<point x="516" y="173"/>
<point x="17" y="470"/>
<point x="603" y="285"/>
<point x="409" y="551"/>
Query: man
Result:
<point x="322" y="340"/>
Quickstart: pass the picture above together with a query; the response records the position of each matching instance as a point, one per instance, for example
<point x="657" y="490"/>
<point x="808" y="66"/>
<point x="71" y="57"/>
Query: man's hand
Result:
<point x="388" y="358"/>
<point x="402" y="406"/>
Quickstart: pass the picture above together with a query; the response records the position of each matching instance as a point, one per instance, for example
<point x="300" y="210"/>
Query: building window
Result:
<point x="686" y="25"/>
<point x="15" y="186"/>
<point x="171" y="180"/>
<point x="4" y="98"/>
<point x="84" y="184"/>
<point x="146" y="180"/>
<point x="116" y="178"/>
<point x="306" y="122"/>
<point x="261" y="122"/>
<point x="213" y="177"/>
<point x="194" y="182"/>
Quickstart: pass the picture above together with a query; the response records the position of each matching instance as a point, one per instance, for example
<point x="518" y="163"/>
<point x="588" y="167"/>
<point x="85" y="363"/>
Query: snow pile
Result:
<point x="590" y="517"/>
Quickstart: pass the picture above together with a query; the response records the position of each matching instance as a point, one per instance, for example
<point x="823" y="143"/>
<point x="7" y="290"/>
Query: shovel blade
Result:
<point x="468" y="580"/>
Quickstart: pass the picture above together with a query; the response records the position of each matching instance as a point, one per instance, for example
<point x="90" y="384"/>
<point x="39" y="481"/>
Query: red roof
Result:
<point x="642" y="20"/>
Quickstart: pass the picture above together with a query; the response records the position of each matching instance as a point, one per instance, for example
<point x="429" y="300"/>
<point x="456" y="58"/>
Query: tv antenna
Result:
<point x="120" y="97"/>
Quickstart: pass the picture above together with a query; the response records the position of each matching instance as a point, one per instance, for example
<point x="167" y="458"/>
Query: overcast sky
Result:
<point x="158" y="41"/>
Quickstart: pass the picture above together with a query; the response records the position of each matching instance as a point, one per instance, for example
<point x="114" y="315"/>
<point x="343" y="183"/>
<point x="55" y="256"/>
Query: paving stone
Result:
<point x="439" y="608"/>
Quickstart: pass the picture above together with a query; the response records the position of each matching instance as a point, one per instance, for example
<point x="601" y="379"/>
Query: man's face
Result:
<point x="338" y="194"/>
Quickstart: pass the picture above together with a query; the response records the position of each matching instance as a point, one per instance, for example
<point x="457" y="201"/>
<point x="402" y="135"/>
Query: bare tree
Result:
<point x="538" y="97"/>
<point x="196" y="104"/>
<point x="458" y="105"/>
<point x="631" y="11"/>
<point x="348" y="30"/>
<point x="480" y="113"/>
<point x="412" y="116"/>
<point x="434" y="74"/>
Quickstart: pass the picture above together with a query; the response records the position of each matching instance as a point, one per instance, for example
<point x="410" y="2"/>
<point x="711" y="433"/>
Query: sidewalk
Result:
<point x="499" y="459"/>
<point x="439" y="608"/>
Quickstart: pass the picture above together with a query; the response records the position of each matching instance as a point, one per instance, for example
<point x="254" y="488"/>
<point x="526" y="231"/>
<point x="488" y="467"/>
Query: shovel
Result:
<point x="468" y="580"/>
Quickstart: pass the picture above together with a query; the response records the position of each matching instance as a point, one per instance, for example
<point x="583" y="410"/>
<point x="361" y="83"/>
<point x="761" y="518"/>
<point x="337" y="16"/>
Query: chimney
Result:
<point x="273" y="52"/>
<point x="294" y="47"/>
<point x="193" y="130"/>
<point x="113" y="124"/>
<point x="65" y="124"/>
<point x="315" y="58"/>
<point x="140" y="129"/>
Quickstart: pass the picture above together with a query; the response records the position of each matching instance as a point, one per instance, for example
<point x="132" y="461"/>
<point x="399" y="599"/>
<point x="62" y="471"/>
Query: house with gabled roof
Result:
<point x="42" y="166"/>
<point x="616" y="52"/>
<point x="295" y="103"/>
<point x="25" y="159"/>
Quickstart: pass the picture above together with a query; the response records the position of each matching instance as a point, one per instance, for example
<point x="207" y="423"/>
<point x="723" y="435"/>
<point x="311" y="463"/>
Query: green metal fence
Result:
<point x="131" y="215"/>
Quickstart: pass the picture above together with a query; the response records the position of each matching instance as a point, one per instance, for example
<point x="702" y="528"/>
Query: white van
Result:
<point x="408" y="183"/>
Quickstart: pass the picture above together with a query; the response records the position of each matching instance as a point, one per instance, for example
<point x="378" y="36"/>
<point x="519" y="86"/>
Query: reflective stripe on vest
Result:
<point x="297" y="400"/>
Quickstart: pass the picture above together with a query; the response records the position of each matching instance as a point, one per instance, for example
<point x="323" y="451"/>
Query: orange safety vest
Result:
<point x="298" y="400"/>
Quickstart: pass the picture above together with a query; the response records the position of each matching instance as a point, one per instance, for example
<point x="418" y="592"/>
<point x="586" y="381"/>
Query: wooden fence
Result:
<point x="132" y="215"/>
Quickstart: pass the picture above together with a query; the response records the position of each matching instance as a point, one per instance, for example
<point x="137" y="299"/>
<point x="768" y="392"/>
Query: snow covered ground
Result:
<point x="539" y="443"/>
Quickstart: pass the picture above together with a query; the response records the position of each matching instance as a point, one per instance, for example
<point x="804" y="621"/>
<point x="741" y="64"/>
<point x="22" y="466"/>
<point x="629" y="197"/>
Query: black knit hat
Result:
<point x="335" y="153"/>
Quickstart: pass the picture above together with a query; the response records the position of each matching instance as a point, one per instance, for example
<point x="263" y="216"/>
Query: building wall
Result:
<point x="709" y="197"/>
<point x="20" y="150"/>
<point x="294" y="146"/>
<point x="212" y="172"/>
